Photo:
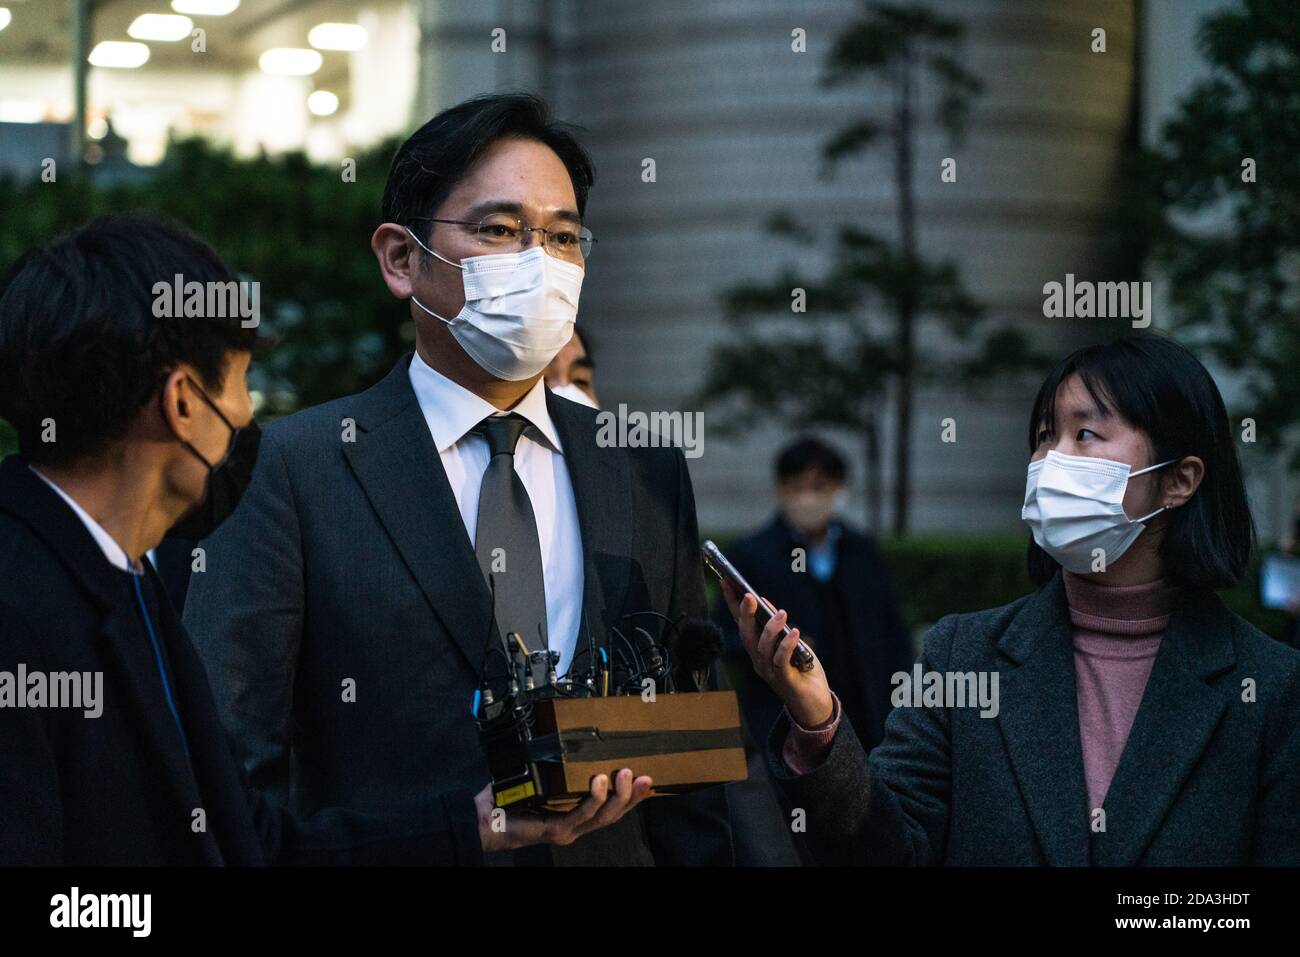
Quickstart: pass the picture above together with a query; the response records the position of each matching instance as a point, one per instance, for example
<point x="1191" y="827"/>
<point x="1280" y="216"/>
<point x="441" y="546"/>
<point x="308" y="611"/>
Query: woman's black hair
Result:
<point x="1158" y="386"/>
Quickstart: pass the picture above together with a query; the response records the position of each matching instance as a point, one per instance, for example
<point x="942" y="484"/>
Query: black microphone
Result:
<point x="699" y="644"/>
<point x="484" y="695"/>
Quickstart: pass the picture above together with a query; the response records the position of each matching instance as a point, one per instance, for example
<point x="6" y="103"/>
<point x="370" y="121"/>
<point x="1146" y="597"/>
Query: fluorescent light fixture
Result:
<point x="120" y="54"/>
<point x="337" y="36"/>
<point x="5" y="17"/>
<point x="21" y="111"/>
<point x="160" y="26"/>
<point x="287" y="61"/>
<point x="322" y="103"/>
<point x="205" y="8"/>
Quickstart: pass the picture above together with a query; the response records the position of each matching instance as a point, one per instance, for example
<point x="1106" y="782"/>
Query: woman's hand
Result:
<point x="806" y="694"/>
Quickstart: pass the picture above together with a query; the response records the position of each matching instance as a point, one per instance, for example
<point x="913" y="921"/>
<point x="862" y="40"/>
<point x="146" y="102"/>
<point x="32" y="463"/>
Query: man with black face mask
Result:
<point x="227" y="479"/>
<point x="129" y="424"/>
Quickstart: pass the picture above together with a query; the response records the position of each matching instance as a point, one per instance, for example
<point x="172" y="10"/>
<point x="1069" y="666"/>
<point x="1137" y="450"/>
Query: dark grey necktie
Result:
<point x="505" y="538"/>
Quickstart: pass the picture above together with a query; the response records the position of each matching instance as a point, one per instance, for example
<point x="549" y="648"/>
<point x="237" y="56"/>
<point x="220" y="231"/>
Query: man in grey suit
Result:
<point x="346" y="607"/>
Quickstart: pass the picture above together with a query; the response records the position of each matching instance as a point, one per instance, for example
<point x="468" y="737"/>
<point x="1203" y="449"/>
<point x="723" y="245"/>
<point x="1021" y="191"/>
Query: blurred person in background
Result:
<point x="571" y="373"/>
<point x="830" y="577"/>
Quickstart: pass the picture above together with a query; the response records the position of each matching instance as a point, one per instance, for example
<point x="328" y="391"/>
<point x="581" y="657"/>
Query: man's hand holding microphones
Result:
<point x="806" y="694"/>
<point x="607" y="802"/>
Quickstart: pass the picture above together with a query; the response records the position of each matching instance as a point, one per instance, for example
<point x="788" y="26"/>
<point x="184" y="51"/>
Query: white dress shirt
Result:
<point x="114" y="552"/>
<point x="451" y="411"/>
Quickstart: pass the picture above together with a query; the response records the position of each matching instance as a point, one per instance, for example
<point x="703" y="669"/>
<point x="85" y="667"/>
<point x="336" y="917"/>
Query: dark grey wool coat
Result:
<point x="1210" y="774"/>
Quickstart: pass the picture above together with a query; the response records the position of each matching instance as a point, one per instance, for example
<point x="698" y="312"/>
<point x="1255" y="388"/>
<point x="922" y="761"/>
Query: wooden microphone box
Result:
<point x="682" y="741"/>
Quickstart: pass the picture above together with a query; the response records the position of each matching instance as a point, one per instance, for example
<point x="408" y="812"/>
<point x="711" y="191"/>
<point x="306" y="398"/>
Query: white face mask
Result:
<point x="519" y="309"/>
<point x="811" y="512"/>
<point x="1074" y="505"/>
<point x="571" y="391"/>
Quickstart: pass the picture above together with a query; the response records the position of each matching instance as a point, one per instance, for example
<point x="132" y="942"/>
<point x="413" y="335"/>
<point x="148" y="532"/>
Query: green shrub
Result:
<point x="300" y="230"/>
<point x="941" y="575"/>
<point x="8" y="439"/>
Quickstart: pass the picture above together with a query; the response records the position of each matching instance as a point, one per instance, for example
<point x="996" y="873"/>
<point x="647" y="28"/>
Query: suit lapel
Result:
<point x="1173" y="725"/>
<point x="398" y="467"/>
<point x="125" y="643"/>
<point x="120" y="634"/>
<point x="231" y="838"/>
<point x="602" y="493"/>
<point x="1039" y="720"/>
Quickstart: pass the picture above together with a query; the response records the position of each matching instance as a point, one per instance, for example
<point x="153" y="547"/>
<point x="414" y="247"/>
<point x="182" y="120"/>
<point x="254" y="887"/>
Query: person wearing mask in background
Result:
<point x="387" y="537"/>
<point x="570" y="373"/>
<point x="130" y="425"/>
<point x="830" y="577"/>
<point x="1136" y="720"/>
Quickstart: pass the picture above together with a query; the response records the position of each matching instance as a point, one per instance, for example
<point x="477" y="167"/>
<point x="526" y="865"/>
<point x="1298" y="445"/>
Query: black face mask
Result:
<point x="227" y="479"/>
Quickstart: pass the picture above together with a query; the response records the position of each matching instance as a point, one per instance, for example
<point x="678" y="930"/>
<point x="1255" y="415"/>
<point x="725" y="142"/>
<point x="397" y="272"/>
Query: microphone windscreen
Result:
<point x="699" y="644"/>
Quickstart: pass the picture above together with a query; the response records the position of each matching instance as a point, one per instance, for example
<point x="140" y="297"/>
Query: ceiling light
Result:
<point x="205" y="8"/>
<point x="337" y="36"/>
<point x="5" y="17"/>
<point x="119" y="53"/>
<point x="287" y="61"/>
<point x="160" y="26"/>
<point x="322" y="103"/>
<point x="21" y="111"/>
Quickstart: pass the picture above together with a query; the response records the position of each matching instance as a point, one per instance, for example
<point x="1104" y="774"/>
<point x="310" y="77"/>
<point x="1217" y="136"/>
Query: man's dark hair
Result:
<point x="1158" y="386"/>
<point x="810" y="453"/>
<point x="440" y="153"/>
<point x="80" y="344"/>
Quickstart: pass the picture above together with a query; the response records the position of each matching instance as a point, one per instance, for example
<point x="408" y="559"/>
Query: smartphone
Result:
<point x="717" y="563"/>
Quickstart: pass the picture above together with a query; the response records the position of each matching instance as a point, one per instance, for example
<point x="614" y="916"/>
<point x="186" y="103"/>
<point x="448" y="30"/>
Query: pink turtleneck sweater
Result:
<point x="1117" y="632"/>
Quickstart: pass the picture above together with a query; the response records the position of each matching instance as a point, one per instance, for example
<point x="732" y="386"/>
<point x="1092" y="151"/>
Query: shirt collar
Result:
<point x="451" y="410"/>
<point x="114" y="552"/>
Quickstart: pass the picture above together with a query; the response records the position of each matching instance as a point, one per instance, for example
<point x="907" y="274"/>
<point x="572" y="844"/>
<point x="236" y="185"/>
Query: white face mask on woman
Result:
<point x="519" y="309"/>
<point x="1074" y="505"/>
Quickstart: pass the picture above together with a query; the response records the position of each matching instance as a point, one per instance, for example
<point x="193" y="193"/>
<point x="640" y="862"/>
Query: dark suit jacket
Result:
<point x="117" y="788"/>
<point x="173" y="559"/>
<point x="858" y="664"/>
<point x="1206" y="777"/>
<point x="348" y="561"/>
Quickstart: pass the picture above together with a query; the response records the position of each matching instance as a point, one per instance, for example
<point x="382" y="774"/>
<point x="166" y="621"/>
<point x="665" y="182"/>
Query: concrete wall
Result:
<point x="735" y="121"/>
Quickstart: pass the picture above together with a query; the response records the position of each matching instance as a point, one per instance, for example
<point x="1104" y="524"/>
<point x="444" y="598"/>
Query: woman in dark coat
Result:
<point x="1120" y="715"/>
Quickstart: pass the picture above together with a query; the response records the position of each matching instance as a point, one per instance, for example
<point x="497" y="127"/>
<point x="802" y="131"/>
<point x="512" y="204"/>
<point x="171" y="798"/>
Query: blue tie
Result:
<point x="162" y="671"/>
